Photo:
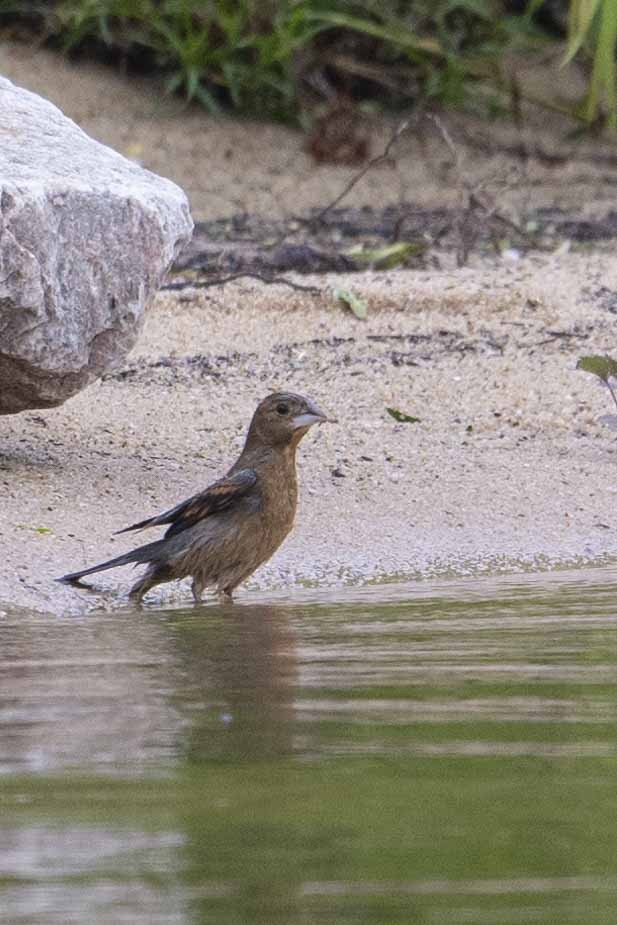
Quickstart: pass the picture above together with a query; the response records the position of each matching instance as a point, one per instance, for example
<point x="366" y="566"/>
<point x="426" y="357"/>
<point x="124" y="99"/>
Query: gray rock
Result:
<point x="86" y="237"/>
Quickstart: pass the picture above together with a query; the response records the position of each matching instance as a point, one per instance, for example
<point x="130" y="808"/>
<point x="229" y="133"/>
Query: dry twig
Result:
<point x="261" y="277"/>
<point x="374" y="161"/>
<point x="471" y="201"/>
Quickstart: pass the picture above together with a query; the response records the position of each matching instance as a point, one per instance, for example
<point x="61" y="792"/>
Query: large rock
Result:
<point x="86" y="237"/>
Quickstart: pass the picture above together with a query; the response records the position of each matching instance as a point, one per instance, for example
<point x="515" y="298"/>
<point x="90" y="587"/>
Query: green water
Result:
<point x="423" y="754"/>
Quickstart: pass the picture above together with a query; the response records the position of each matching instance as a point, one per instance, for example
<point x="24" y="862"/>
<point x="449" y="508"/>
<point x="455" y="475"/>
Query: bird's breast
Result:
<point x="279" y="500"/>
<point x="279" y="497"/>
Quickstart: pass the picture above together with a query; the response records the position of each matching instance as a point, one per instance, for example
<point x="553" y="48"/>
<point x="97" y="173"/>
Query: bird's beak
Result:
<point x="312" y="415"/>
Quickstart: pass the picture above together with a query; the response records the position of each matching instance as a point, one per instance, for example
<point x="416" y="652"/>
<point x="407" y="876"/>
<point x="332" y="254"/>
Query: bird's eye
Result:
<point x="282" y="408"/>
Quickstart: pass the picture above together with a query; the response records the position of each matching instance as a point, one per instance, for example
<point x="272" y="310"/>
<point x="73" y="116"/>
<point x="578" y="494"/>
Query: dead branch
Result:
<point x="462" y="222"/>
<point x="222" y="280"/>
<point x="374" y="161"/>
<point x="447" y="137"/>
<point x="471" y="200"/>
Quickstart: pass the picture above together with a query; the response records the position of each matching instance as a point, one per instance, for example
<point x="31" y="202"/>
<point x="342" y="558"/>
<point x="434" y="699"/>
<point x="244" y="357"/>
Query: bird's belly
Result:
<point x="231" y="549"/>
<point x="254" y="545"/>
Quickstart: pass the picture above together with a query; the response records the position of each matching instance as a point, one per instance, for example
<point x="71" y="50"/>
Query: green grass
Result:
<point x="278" y="58"/>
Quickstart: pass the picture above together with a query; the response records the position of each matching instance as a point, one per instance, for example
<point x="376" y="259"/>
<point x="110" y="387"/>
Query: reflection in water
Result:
<point x="85" y="693"/>
<point x="437" y="755"/>
<point x="60" y="875"/>
<point x="239" y="671"/>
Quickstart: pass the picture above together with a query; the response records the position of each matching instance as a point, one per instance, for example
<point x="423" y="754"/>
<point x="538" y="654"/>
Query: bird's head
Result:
<point x="283" y="418"/>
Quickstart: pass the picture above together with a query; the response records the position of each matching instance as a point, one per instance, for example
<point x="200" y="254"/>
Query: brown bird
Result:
<point x="221" y="535"/>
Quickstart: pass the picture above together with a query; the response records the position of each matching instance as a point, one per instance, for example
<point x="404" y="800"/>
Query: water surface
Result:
<point x="422" y="754"/>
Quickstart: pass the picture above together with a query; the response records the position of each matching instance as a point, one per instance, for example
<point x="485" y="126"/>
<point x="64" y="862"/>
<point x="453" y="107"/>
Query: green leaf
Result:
<point x="354" y="302"/>
<point x="43" y="531"/>
<point x="401" y="417"/>
<point x="384" y="258"/>
<point x="592" y="24"/>
<point x="601" y="366"/>
<point x="397" y="33"/>
<point x="580" y="24"/>
<point x="603" y="75"/>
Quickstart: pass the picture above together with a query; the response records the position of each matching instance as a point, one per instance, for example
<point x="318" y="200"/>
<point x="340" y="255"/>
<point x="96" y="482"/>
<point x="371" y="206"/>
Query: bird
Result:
<point x="221" y="535"/>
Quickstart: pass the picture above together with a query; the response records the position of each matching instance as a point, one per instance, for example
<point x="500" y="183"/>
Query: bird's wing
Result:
<point x="218" y="497"/>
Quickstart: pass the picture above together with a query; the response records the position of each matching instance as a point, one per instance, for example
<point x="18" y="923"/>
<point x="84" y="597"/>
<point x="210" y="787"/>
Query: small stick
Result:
<point x="470" y="198"/>
<point x="447" y="137"/>
<point x="611" y="390"/>
<point x="400" y="129"/>
<point x="221" y="280"/>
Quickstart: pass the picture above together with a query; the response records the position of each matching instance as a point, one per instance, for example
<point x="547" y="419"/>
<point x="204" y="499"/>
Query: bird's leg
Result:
<point x="198" y="589"/>
<point x="138" y="590"/>
<point x="148" y="580"/>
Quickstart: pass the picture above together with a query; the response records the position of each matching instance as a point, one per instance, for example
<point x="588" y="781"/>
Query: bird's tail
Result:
<point x="145" y="553"/>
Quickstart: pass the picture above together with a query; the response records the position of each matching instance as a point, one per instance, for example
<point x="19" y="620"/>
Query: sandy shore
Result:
<point x="507" y="469"/>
